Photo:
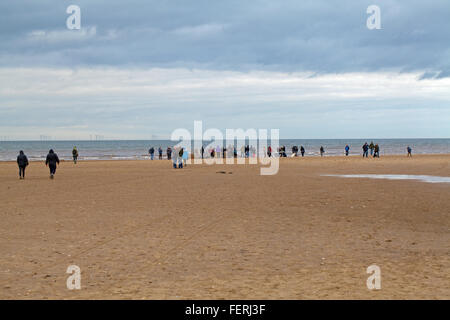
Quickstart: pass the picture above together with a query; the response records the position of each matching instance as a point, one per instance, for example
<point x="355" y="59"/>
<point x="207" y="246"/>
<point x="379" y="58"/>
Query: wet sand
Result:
<point x="140" y="229"/>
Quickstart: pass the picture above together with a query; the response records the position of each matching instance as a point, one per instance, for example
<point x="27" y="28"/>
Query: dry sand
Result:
<point x="140" y="229"/>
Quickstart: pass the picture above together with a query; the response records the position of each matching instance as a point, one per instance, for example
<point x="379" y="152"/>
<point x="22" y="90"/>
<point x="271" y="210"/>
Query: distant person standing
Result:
<point x="322" y="151"/>
<point x="169" y="153"/>
<point x="365" y="148"/>
<point x="302" y="151"/>
<point x="203" y="151"/>
<point x="75" y="155"/>
<point x="409" y="151"/>
<point x="185" y="157"/>
<point x="160" y="153"/>
<point x="371" y="147"/>
<point x="180" y="158"/>
<point x="217" y="153"/>
<point x="269" y="151"/>
<point x="175" y="157"/>
<point x="376" y="152"/>
<point x="347" y="149"/>
<point x="22" y="162"/>
<point x="151" y="151"/>
<point x="51" y="161"/>
<point x="283" y="151"/>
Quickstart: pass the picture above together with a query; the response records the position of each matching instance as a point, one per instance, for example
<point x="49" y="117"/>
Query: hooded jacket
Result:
<point x="22" y="160"/>
<point x="52" y="158"/>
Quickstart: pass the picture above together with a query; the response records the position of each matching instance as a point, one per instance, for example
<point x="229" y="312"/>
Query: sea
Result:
<point x="138" y="149"/>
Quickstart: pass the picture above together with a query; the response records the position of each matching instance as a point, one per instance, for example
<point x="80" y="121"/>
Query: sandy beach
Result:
<point x="142" y="230"/>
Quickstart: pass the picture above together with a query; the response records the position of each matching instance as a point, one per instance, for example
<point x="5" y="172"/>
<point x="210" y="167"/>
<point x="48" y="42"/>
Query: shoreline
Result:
<point x="147" y="158"/>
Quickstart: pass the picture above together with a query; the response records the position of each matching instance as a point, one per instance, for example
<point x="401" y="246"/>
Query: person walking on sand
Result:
<point x="347" y="149"/>
<point x="75" y="155"/>
<point x="169" y="153"/>
<point x="51" y="161"/>
<point x="322" y="151"/>
<point x="269" y="151"/>
<point x="22" y="162"/>
<point x="365" y="148"/>
<point x="376" y="152"/>
<point x="371" y="147"/>
<point x="302" y="151"/>
<point x="151" y="151"/>
<point x="409" y="150"/>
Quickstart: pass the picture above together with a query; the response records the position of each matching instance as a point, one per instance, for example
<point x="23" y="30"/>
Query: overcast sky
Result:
<point x="140" y="69"/>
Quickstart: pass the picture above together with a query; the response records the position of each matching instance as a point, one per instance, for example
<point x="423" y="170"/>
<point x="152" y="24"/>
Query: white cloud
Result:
<point x="174" y="84"/>
<point x="200" y="30"/>
<point x="54" y="36"/>
<point x="132" y="102"/>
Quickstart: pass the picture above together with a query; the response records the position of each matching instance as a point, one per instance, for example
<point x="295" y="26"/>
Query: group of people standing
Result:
<point x="151" y="152"/>
<point x="374" y="150"/>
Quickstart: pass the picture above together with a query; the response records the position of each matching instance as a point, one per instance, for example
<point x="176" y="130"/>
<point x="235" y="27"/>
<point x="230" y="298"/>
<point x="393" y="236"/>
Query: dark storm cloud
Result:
<point x="319" y="36"/>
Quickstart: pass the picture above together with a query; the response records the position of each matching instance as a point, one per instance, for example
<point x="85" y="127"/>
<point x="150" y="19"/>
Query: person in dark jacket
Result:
<point x="371" y="147"/>
<point x="376" y="152"/>
<point x="51" y="161"/>
<point x="160" y="152"/>
<point x="151" y="151"/>
<point x="75" y="155"/>
<point x="22" y="162"/>
<point x="365" y="148"/>
<point x="302" y="151"/>
<point x="409" y="150"/>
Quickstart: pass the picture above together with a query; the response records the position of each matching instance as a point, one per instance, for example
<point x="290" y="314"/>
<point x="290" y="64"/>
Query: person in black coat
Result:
<point x="22" y="162"/>
<point x="51" y="161"/>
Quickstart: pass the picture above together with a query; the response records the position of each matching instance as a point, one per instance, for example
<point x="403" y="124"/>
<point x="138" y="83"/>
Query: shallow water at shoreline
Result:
<point x="423" y="178"/>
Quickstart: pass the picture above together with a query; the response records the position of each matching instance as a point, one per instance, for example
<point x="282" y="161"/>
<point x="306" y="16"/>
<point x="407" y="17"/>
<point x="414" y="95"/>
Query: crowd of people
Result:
<point x="249" y="151"/>
<point x="180" y="155"/>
